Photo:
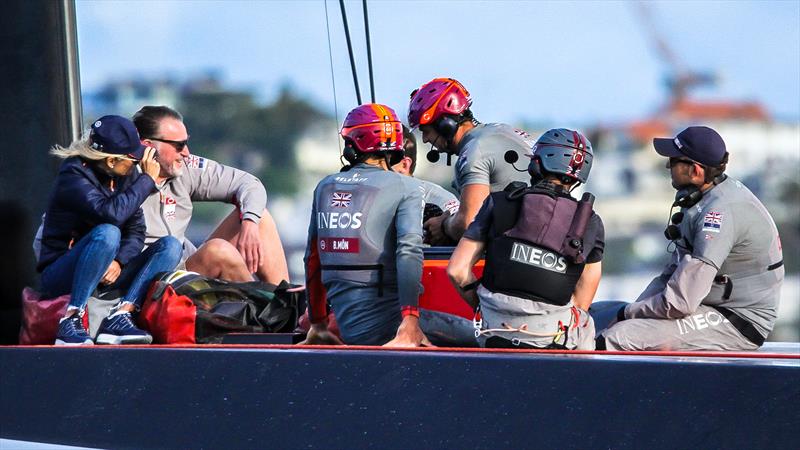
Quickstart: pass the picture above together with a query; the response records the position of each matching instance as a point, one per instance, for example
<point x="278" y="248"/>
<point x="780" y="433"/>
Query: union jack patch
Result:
<point x="195" y="162"/>
<point x="341" y="199"/>
<point x="712" y="221"/>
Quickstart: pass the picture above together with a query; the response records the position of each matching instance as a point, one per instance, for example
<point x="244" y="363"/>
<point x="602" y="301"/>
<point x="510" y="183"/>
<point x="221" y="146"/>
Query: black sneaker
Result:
<point x="119" y="328"/>
<point x="71" y="331"/>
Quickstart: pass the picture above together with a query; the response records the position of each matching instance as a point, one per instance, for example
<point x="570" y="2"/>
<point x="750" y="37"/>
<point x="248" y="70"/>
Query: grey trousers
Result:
<point x="500" y="310"/>
<point x="705" y="329"/>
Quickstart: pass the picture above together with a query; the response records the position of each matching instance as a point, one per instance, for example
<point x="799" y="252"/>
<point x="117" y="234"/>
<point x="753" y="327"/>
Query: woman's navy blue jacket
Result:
<point x="82" y="199"/>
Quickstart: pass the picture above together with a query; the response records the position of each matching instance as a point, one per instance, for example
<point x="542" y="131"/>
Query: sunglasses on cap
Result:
<point x="179" y="145"/>
<point x="128" y="157"/>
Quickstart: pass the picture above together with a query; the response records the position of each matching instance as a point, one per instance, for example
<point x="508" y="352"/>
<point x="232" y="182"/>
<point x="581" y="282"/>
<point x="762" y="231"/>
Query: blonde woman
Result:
<point x="93" y="232"/>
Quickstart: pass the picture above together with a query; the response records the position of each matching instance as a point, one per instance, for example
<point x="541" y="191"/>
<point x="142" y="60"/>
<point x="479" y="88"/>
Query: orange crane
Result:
<point x="680" y="79"/>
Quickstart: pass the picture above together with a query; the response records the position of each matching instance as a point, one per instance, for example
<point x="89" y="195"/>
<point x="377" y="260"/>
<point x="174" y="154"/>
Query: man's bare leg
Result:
<point x="273" y="268"/>
<point x="218" y="258"/>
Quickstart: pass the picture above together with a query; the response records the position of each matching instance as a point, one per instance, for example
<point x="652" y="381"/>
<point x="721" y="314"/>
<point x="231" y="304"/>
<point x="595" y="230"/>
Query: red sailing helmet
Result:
<point x="373" y="128"/>
<point x="435" y="98"/>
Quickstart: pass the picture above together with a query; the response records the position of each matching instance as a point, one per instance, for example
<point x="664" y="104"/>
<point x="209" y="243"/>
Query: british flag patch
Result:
<point x="194" y="162"/>
<point x="712" y="221"/>
<point x="341" y="199"/>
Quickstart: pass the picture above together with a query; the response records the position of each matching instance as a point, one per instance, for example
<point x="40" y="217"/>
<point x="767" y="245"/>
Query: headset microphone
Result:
<point x="433" y="156"/>
<point x="511" y="157"/>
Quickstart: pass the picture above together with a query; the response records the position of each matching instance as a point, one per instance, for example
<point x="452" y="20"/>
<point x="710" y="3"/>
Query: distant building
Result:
<point x="126" y="96"/>
<point x="632" y="184"/>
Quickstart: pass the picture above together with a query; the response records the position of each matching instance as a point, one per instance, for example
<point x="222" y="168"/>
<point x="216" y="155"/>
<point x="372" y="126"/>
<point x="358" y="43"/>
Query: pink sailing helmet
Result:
<point x="372" y="128"/>
<point x="435" y="98"/>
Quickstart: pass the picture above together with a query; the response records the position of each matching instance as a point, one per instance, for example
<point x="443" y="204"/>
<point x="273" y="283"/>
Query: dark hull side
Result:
<point x="286" y="397"/>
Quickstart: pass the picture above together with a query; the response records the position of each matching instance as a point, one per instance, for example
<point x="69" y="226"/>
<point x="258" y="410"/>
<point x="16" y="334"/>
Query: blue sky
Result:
<point x="565" y="63"/>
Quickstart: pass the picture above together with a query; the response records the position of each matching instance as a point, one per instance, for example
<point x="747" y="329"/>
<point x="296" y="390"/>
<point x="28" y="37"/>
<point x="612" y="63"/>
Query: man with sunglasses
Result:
<point x="722" y="287"/>
<point x="245" y="243"/>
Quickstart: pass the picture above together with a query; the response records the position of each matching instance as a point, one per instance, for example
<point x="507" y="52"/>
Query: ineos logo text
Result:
<point x="533" y="256"/>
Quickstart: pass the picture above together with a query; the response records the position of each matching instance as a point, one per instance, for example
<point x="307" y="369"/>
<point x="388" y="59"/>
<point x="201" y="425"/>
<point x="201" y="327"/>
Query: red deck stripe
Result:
<point x="710" y="354"/>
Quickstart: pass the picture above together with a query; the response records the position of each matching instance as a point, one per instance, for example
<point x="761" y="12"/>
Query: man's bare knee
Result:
<point x="218" y="258"/>
<point x="273" y="268"/>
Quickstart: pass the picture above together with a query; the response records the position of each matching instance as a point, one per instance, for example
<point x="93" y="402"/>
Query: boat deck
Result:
<point x="279" y="396"/>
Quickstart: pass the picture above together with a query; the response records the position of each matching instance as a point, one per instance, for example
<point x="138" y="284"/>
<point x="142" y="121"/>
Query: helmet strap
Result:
<point x="565" y="180"/>
<point x="572" y="186"/>
<point x="388" y="162"/>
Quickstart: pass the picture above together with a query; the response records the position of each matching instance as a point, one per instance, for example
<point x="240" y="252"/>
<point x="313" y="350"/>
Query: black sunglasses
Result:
<point x="674" y="161"/>
<point x="179" y="145"/>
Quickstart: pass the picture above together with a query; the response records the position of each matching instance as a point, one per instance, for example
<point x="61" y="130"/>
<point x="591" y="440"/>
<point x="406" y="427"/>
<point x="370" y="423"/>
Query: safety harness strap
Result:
<point x="775" y="266"/>
<point x="747" y="329"/>
<point x="727" y="280"/>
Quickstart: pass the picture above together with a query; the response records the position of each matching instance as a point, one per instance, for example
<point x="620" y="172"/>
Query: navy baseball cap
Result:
<point x="700" y="144"/>
<point x="116" y="135"/>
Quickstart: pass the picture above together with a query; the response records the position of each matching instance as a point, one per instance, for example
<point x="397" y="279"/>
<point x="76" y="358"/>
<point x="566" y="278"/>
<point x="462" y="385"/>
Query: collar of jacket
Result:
<point x="97" y="177"/>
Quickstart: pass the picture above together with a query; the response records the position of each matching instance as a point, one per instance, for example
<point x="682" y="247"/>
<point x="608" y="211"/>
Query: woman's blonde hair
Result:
<point x="82" y="147"/>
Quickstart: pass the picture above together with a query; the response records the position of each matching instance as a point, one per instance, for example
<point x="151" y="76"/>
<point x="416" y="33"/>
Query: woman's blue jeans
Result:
<point x="80" y="269"/>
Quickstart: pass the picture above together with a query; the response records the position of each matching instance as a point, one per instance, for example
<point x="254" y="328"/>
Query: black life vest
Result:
<point x="536" y="248"/>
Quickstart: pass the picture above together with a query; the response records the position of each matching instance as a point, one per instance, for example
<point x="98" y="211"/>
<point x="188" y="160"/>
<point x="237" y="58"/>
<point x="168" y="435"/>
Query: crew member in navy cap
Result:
<point x="93" y="231"/>
<point x="700" y="144"/>
<point x="722" y="287"/>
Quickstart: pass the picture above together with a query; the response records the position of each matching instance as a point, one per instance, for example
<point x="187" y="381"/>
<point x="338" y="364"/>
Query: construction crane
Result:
<point x="680" y="80"/>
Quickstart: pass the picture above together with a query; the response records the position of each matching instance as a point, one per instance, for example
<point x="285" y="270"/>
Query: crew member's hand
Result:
<point x="409" y="334"/>
<point x="112" y="273"/>
<point x="433" y="230"/>
<point x="249" y="245"/>
<point x="319" y="334"/>
<point x="149" y="163"/>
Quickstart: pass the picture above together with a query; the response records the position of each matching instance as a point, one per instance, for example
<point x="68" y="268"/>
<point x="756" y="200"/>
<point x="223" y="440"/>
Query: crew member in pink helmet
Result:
<point x="440" y="109"/>
<point x="364" y="251"/>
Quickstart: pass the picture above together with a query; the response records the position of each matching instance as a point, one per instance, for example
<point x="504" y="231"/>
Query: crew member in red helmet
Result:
<point x="441" y="110"/>
<point x="364" y="252"/>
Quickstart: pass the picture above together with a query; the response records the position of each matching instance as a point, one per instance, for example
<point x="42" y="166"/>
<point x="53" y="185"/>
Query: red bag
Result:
<point x="168" y="317"/>
<point x="40" y="318"/>
<point x="187" y="308"/>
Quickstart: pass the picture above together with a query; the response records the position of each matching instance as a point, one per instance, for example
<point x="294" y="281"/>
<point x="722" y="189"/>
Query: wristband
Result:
<point x="409" y="311"/>
<point x="251" y="216"/>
